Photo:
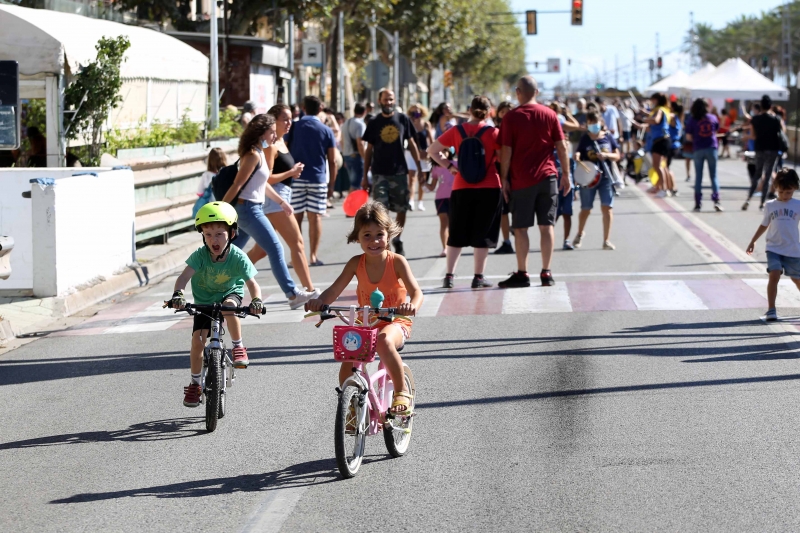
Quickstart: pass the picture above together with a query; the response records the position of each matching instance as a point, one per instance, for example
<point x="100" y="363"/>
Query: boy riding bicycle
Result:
<point x="219" y="271"/>
<point x="374" y="229"/>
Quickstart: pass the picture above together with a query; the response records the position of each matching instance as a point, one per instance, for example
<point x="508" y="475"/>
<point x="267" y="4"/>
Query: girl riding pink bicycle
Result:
<point x="374" y="229"/>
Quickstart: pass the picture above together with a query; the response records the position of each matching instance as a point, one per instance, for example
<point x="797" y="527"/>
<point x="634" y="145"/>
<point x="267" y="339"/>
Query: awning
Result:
<point x="51" y="42"/>
<point x="665" y="85"/>
<point x="737" y="80"/>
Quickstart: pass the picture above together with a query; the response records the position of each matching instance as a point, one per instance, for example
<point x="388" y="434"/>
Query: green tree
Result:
<point x="94" y="92"/>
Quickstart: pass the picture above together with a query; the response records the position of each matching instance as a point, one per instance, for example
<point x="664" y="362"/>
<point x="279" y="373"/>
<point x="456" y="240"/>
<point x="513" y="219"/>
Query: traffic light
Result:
<point x="577" y="12"/>
<point x="536" y="65"/>
<point x="652" y="65"/>
<point x="600" y="86"/>
<point x="765" y="61"/>
<point x="530" y="20"/>
<point x="569" y="62"/>
<point x="660" y="63"/>
<point x="448" y="78"/>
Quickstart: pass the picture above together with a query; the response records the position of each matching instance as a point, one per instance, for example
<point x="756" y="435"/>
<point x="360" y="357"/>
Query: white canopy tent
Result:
<point x="668" y="84"/>
<point x="162" y="76"/>
<point x="736" y="79"/>
<point x="695" y="78"/>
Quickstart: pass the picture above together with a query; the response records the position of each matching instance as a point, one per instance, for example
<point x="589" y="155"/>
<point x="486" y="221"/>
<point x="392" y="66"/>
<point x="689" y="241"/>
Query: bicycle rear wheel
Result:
<point x="213" y="388"/>
<point x="348" y="441"/>
<point x="397" y="431"/>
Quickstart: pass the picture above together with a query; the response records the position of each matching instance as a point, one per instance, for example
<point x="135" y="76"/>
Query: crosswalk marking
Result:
<point x="553" y="299"/>
<point x="564" y="297"/>
<point x="663" y="295"/>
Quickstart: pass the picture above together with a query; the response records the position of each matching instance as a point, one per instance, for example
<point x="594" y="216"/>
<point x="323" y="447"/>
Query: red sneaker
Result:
<point x="191" y="395"/>
<point x="240" y="359"/>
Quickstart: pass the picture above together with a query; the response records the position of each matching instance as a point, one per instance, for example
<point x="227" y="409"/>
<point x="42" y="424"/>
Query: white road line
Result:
<point x="663" y="295"/>
<point x="431" y="304"/>
<point x="437" y="270"/>
<point x="553" y="299"/>
<point x="717" y="236"/>
<point x="273" y="511"/>
<point x="154" y="318"/>
<point x="676" y="273"/>
<point x="683" y="233"/>
<point x="788" y="295"/>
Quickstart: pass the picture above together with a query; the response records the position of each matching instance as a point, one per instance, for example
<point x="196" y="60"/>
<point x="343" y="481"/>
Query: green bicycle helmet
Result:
<point x="216" y="212"/>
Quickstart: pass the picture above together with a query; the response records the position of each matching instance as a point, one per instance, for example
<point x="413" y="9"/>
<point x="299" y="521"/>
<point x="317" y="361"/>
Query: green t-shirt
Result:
<point x="214" y="281"/>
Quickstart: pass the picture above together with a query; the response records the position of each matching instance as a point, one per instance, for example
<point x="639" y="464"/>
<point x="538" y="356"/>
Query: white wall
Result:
<point x="77" y="228"/>
<point x="15" y="221"/>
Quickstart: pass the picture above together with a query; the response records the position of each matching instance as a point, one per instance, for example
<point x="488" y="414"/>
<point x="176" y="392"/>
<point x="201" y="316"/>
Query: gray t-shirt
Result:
<point x="782" y="218"/>
<point x="352" y="129"/>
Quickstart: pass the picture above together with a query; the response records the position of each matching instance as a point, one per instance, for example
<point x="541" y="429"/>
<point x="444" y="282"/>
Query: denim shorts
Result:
<point x="355" y="169"/>
<point x="285" y="192"/>
<point x="788" y="265"/>
<point x="606" y="191"/>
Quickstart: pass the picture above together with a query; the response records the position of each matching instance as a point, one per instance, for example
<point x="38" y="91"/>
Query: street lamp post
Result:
<point x="214" y="67"/>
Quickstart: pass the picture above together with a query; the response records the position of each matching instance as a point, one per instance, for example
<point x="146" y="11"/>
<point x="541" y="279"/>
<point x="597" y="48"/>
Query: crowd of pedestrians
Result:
<point x="496" y="170"/>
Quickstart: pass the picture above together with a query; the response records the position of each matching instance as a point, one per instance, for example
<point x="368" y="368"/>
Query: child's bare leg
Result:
<point x="772" y="287"/>
<point x="196" y="352"/>
<point x="443" y="228"/>
<point x="389" y="340"/>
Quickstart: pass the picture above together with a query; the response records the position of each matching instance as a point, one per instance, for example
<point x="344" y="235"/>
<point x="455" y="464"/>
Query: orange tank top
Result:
<point x="392" y="287"/>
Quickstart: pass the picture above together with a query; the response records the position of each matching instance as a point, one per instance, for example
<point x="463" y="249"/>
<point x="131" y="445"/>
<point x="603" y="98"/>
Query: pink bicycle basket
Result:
<point x="354" y="343"/>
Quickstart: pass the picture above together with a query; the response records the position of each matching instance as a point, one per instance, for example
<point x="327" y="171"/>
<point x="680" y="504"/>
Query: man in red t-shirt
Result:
<point x="529" y="133"/>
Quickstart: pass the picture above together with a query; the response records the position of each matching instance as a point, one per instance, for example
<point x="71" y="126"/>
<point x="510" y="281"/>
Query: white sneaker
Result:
<point x="421" y="206"/>
<point x="661" y="194"/>
<point x="301" y="298"/>
<point x="411" y="205"/>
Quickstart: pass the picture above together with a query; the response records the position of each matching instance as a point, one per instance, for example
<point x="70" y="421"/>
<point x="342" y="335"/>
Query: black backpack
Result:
<point x="472" y="156"/>
<point x="224" y="179"/>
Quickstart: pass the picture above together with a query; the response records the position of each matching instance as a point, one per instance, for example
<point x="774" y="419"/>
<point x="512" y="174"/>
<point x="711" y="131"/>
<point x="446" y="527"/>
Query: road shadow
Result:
<point x="605" y="390"/>
<point x="310" y="473"/>
<point x="175" y="428"/>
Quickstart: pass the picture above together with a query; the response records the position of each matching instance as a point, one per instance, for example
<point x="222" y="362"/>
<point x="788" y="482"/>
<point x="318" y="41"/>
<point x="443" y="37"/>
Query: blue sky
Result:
<point x="613" y="27"/>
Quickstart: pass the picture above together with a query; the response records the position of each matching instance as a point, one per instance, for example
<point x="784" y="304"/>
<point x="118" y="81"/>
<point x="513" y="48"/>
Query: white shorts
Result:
<point x="311" y="197"/>
<point x="412" y="167"/>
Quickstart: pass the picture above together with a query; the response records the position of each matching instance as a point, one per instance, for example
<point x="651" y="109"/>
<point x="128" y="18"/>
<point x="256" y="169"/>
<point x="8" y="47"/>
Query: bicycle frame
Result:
<point x="372" y="386"/>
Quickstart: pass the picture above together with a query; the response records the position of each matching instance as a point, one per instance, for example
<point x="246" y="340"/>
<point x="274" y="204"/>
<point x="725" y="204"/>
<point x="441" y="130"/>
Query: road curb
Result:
<point x="138" y="276"/>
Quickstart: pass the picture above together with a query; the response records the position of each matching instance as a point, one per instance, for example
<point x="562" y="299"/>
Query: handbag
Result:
<point x="207" y="197"/>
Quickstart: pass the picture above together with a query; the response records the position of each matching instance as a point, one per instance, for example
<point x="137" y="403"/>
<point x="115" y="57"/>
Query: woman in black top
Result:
<point x="424" y="137"/>
<point x="283" y="170"/>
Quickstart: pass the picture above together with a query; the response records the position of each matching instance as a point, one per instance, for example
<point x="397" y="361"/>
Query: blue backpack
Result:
<point x="472" y="156"/>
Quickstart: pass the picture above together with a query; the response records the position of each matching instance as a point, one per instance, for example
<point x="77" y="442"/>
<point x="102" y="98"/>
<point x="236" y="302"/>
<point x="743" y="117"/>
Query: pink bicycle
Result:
<point x="364" y="398"/>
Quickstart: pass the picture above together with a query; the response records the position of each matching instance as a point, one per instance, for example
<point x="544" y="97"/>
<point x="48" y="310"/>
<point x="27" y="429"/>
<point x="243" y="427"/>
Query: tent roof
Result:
<point x="45" y="41"/>
<point x="696" y="77"/>
<point x="736" y="79"/>
<point x="677" y="79"/>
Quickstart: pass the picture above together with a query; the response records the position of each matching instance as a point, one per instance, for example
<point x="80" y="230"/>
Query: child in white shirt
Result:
<point x="781" y="219"/>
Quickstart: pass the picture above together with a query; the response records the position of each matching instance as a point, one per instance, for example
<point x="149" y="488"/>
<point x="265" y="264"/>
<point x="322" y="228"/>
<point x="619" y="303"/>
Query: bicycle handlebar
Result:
<point x="198" y="308"/>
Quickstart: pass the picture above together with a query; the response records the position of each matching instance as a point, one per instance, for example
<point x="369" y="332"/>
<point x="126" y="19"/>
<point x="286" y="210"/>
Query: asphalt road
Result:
<point x="642" y="392"/>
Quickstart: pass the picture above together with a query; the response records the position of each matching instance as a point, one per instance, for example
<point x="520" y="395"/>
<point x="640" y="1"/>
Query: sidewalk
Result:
<point x="27" y="315"/>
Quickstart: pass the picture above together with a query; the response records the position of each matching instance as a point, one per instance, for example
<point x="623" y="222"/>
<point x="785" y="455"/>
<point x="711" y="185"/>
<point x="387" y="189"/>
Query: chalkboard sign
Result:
<point x="9" y="105"/>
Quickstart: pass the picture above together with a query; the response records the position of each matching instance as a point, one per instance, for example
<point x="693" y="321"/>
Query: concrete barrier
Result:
<point x="75" y="229"/>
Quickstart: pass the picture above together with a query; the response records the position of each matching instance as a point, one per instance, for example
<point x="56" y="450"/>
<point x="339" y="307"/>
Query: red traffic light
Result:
<point x="577" y="12"/>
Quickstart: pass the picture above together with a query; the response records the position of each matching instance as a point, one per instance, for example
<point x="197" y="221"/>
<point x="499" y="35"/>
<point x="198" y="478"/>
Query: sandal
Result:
<point x="401" y="399"/>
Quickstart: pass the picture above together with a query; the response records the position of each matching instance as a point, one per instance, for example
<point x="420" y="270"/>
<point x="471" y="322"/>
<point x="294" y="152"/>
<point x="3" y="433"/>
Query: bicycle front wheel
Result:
<point x="348" y="440"/>
<point x="213" y="388"/>
<point x="397" y="430"/>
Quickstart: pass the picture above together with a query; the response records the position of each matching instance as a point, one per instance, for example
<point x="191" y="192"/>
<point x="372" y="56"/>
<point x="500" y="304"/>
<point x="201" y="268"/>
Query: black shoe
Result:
<point x="448" y="281"/>
<point x="479" y="282"/>
<point x="517" y="280"/>
<point x="505" y="248"/>
<point x="398" y="247"/>
<point x="547" y="278"/>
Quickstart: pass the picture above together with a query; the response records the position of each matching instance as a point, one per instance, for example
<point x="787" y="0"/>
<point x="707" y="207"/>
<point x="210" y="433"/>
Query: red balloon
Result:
<point x="673" y="98"/>
<point x="354" y="201"/>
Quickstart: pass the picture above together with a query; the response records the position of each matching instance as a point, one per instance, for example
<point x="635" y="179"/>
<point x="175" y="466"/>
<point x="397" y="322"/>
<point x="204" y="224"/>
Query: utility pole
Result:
<point x="340" y="62"/>
<point x="786" y="48"/>
<point x="290" y="38"/>
<point x="373" y="30"/>
<point x="692" y="54"/>
<point x="658" y="54"/>
<point x="396" y="73"/>
<point x="214" y="53"/>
